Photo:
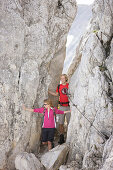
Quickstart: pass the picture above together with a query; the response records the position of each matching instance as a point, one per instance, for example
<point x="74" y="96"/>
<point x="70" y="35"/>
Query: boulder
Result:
<point x="74" y="165"/>
<point x="107" y="163"/>
<point x="27" y="161"/>
<point x="53" y="159"/>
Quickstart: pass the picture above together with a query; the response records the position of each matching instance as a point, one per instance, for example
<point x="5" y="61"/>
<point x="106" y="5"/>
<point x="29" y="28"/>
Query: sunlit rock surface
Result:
<point x="108" y="155"/>
<point x="53" y="159"/>
<point x="26" y="161"/>
<point x="79" y="26"/>
<point x="91" y="89"/>
<point x="33" y="38"/>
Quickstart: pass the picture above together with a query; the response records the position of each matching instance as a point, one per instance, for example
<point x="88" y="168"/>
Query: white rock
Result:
<point x="108" y="155"/>
<point x="32" y="40"/>
<point x="26" y="161"/>
<point x="91" y="87"/>
<point x="74" y="165"/>
<point x="55" y="157"/>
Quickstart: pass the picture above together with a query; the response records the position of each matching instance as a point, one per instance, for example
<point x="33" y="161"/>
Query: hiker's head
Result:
<point x="64" y="78"/>
<point x="47" y="103"/>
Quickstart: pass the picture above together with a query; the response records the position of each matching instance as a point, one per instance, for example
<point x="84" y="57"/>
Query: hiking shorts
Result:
<point x="61" y="117"/>
<point x="48" y="134"/>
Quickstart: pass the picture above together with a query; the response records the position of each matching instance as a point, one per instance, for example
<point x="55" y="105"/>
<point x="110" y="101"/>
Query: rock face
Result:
<point x="33" y="37"/>
<point x="80" y="23"/>
<point x="27" y="162"/>
<point x="108" y="155"/>
<point x="50" y="160"/>
<point x="74" y="165"/>
<point x="55" y="157"/>
<point x="91" y="89"/>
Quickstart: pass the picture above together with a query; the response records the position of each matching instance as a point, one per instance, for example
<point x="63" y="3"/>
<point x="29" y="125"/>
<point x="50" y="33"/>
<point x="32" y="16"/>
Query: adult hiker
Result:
<point x="62" y="91"/>
<point x="48" y="127"/>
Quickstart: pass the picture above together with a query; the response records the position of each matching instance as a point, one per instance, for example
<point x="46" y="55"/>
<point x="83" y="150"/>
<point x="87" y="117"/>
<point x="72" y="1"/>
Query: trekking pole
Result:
<point x="105" y="136"/>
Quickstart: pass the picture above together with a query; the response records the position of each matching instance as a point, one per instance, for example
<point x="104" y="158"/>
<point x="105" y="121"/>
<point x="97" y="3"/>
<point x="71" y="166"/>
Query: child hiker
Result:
<point x="48" y="127"/>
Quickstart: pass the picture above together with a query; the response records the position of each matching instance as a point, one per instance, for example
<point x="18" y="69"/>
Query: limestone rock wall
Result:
<point x="33" y="35"/>
<point x="91" y="88"/>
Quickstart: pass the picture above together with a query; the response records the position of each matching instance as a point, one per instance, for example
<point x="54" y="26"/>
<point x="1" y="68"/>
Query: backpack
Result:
<point x="44" y="114"/>
<point x="58" y="89"/>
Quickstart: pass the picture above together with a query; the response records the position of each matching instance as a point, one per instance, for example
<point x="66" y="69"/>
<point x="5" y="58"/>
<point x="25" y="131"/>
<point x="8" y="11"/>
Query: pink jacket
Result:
<point x="49" y="118"/>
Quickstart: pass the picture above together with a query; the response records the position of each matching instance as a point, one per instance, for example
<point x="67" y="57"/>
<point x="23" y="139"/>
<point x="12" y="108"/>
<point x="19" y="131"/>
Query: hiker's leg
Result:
<point x="44" y="143"/>
<point x="61" y="123"/>
<point x="44" y="136"/>
<point x="61" y="128"/>
<point x="49" y="145"/>
<point x="51" y="133"/>
<point x="68" y="115"/>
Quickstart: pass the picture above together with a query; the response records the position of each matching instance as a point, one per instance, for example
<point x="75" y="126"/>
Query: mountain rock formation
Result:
<point x="91" y="89"/>
<point x="33" y="38"/>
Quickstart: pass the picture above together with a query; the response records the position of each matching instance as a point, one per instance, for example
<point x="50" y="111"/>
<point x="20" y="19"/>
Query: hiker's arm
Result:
<point x="27" y="109"/>
<point x="68" y="111"/>
<point x="57" y="111"/>
<point x="52" y="93"/>
<point x="39" y="110"/>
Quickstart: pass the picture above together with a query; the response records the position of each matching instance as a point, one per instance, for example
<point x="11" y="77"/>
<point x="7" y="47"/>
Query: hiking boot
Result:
<point x="61" y="140"/>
